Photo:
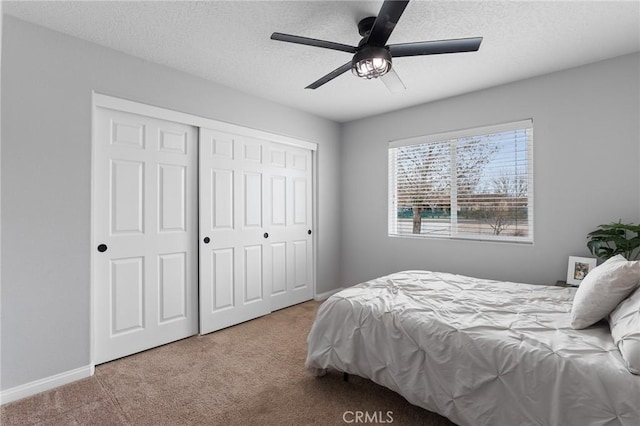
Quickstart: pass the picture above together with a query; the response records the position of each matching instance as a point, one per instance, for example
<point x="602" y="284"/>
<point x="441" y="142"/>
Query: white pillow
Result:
<point x="602" y="289"/>
<point x="625" y="330"/>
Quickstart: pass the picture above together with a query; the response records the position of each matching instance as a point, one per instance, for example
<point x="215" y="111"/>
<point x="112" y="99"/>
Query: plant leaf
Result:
<point x="615" y="238"/>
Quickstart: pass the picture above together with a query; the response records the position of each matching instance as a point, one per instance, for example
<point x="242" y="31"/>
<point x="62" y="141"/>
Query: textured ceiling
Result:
<point x="228" y="43"/>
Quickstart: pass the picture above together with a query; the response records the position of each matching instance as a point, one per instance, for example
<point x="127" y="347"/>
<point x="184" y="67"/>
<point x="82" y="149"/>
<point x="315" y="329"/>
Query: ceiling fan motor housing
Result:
<point x="365" y="25"/>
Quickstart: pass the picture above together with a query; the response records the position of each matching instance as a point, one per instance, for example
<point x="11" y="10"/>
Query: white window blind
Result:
<point x="474" y="183"/>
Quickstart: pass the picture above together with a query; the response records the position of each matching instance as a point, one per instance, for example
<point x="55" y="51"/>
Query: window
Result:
<point x="475" y="183"/>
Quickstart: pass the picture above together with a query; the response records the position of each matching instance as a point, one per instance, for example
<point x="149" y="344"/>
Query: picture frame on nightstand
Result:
<point x="578" y="269"/>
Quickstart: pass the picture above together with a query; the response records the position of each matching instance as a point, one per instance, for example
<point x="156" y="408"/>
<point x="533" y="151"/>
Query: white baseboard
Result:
<point x="323" y="296"/>
<point x="45" y="384"/>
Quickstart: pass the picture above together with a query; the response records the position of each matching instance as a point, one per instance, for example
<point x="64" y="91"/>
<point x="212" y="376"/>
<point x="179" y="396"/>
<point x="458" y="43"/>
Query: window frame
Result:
<point x="456" y="135"/>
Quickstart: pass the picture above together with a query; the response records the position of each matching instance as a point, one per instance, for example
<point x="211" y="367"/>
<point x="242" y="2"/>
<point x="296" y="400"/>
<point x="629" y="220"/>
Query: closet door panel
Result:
<point x="291" y="224"/>
<point x="234" y="282"/>
<point x="144" y="233"/>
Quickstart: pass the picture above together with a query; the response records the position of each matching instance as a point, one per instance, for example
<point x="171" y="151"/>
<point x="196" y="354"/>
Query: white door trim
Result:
<point x="124" y="105"/>
<point x="99" y="100"/>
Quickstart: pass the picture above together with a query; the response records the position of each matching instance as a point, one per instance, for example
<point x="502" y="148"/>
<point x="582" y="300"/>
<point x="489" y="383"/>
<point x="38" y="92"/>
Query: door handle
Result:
<point x="266" y="235"/>
<point x="206" y="240"/>
<point x="102" y="248"/>
<point x="309" y="232"/>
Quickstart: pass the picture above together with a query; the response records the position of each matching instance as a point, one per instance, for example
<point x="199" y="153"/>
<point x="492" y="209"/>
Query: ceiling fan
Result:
<point x="373" y="57"/>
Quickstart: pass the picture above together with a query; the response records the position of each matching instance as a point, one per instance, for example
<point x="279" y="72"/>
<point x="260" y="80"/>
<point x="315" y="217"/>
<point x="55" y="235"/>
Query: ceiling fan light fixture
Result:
<point x="371" y="62"/>
<point x="372" y="56"/>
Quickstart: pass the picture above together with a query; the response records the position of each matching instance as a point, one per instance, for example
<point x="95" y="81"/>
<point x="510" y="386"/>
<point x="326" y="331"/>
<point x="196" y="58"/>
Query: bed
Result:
<point x="477" y="351"/>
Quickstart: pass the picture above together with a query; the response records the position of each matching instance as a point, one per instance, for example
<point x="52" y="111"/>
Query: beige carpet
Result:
<point x="250" y="374"/>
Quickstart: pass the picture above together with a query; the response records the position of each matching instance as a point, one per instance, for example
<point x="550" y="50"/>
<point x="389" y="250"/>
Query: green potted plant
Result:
<point x="613" y="239"/>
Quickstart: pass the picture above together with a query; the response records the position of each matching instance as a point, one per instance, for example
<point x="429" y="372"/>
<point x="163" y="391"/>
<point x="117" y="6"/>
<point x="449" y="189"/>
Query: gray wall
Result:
<point x="586" y="165"/>
<point x="47" y="79"/>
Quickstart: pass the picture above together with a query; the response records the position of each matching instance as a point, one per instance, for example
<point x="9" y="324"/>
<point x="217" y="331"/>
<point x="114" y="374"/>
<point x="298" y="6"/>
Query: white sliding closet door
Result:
<point x="289" y="218"/>
<point x="256" y="251"/>
<point x="145" y="231"/>
<point x="233" y="285"/>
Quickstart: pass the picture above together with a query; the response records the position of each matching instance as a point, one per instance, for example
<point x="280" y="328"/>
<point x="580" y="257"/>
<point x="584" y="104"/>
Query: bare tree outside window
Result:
<point x="506" y="205"/>
<point x="423" y="180"/>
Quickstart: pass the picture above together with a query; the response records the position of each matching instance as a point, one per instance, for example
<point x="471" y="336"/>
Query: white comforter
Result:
<point x="479" y="352"/>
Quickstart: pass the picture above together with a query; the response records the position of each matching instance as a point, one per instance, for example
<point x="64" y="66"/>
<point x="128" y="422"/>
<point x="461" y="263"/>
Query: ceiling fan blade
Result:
<point x="393" y="82"/>
<point x="435" y="47"/>
<point x="327" y="78"/>
<point x="313" y="42"/>
<point x="386" y="21"/>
